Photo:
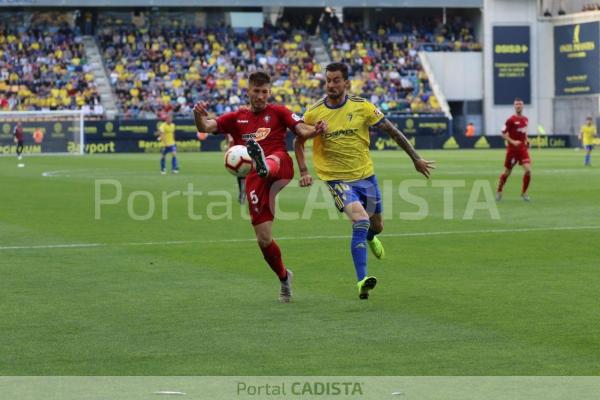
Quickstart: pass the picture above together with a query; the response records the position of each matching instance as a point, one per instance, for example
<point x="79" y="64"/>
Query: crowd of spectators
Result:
<point x="165" y="68"/>
<point x="384" y="61"/>
<point x="43" y="66"/>
<point x="159" y="68"/>
<point x="156" y="70"/>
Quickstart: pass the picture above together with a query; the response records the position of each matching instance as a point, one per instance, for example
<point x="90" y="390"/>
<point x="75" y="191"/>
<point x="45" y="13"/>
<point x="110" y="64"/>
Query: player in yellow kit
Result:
<point x="341" y="159"/>
<point x="586" y="135"/>
<point x="166" y="134"/>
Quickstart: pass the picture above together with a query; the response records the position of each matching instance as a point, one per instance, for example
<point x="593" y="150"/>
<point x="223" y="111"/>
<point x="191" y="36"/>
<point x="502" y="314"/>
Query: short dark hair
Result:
<point x="338" y="66"/>
<point x="259" y="78"/>
<point x="518" y="99"/>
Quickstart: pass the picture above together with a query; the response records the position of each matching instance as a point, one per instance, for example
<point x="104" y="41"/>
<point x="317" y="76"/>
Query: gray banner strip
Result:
<point x="300" y="387"/>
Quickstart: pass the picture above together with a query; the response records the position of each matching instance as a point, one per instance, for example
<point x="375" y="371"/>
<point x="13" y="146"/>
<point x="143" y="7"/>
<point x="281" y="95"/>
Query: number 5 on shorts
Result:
<point x="253" y="197"/>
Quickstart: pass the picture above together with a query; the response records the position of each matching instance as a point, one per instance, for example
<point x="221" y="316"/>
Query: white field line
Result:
<point x="320" y="237"/>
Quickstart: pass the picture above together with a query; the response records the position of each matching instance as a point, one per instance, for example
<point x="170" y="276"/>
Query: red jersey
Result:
<point x="516" y="127"/>
<point x="18" y="132"/>
<point x="268" y="127"/>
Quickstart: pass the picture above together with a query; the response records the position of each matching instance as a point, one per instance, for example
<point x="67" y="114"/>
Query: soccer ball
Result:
<point x="237" y="161"/>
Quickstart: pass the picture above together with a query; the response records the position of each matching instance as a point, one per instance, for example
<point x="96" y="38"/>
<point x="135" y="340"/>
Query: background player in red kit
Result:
<point x="517" y="143"/>
<point x="262" y="129"/>
<point x="19" y="139"/>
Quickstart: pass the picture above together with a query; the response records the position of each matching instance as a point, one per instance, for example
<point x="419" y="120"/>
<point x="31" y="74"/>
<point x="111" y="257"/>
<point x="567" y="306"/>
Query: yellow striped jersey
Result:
<point x="167" y="134"/>
<point x="342" y="153"/>
<point x="587" y="134"/>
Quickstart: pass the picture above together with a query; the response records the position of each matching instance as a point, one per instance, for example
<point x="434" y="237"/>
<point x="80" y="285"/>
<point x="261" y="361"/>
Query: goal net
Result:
<point x="43" y="131"/>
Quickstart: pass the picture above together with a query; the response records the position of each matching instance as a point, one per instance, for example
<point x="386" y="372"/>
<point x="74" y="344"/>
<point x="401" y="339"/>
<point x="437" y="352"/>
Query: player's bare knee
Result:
<point x="263" y="240"/>
<point x="263" y="237"/>
<point x="359" y="216"/>
<point x="356" y="212"/>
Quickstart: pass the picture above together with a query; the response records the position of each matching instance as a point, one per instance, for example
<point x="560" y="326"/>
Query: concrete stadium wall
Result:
<point x="570" y="6"/>
<point x="511" y="13"/>
<point x="460" y="75"/>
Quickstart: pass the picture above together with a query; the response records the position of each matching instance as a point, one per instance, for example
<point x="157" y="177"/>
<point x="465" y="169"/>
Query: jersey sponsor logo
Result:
<point x="260" y="134"/>
<point x="341" y="132"/>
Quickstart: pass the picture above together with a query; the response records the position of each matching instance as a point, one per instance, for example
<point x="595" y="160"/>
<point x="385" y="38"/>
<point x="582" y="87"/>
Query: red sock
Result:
<point x="502" y="181"/>
<point x="272" y="256"/>
<point x="273" y="165"/>
<point x="526" y="180"/>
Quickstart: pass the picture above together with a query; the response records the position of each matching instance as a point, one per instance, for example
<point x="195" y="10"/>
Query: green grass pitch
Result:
<point x="516" y="295"/>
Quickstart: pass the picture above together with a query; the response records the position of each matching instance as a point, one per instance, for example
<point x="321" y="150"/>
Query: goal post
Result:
<point x="44" y="131"/>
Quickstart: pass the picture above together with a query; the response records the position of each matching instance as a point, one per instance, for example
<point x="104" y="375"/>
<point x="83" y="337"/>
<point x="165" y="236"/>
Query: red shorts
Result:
<point x="261" y="192"/>
<point x="516" y="155"/>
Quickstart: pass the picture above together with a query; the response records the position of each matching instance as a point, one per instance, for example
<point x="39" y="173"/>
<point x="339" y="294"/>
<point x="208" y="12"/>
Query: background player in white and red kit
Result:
<point x="262" y="128"/>
<point x="517" y="144"/>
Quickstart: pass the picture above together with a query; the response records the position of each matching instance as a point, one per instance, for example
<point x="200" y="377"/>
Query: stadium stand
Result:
<point x="168" y="68"/>
<point x="385" y="63"/>
<point x="159" y="64"/>
<point x="43" y="64"/>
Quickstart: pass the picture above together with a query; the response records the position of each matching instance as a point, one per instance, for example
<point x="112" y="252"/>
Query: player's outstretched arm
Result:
<point x="308" y="131"/>
<point x="421" y="165"/>
<point x="203" y="123"/>
<point x="305" y="178"/>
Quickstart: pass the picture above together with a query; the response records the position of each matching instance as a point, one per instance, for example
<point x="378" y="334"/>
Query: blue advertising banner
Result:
<point x="139" y="136"/>
<point x="422" y="125"/>
<point x="512" y="64"/>
<point x="577" y="59"/>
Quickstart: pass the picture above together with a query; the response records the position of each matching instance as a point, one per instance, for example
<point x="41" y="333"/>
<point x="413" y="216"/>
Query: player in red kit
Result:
<point x="19" y="139"/>
<point x="262" y="128"/>
<point x="517" y="143"/>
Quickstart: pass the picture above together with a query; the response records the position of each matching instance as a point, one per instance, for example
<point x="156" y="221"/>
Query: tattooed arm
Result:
<point x="421" y="165"/>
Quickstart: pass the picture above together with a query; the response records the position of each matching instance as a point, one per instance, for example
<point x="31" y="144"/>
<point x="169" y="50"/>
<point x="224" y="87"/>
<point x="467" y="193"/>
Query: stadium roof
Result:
<point x="244" y="3"/>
